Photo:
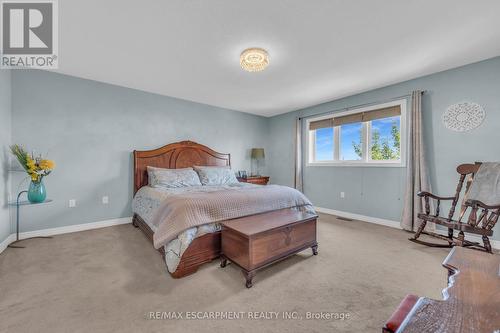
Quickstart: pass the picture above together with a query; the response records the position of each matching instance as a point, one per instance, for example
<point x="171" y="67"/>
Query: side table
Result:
<point x="18" y="204"/>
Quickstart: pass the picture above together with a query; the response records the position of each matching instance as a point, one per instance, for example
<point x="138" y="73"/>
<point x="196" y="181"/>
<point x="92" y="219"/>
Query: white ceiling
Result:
<point x="319" y="50"/>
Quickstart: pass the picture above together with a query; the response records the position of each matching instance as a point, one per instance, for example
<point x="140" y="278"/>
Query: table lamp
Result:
<point x="258" y="157"/>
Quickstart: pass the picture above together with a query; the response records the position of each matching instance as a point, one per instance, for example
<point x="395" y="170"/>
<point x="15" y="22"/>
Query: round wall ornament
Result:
<point x="463" y="117"/>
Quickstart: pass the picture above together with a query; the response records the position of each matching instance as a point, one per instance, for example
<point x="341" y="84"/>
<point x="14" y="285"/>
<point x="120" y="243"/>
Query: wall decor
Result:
<point x="463" y="116"/>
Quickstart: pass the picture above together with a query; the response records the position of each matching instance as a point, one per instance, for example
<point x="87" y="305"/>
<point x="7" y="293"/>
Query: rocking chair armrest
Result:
<point x="481" y="204"/>
<point x="423" y="194"/>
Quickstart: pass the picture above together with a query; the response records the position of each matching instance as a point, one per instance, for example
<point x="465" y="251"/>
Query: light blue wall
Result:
<point x="90" y="129"/>
<point x="5" y="141"/>
<point x="378" y="192"/>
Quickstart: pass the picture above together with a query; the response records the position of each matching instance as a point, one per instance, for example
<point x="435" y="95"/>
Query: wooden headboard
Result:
<point x="174" y="156"/>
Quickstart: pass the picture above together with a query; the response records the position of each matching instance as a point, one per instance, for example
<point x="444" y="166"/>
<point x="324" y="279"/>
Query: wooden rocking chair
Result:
<point x="479" y="225"/>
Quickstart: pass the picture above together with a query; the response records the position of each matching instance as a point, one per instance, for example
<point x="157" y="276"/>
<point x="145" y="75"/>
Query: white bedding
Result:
<point x="148" y="199"/>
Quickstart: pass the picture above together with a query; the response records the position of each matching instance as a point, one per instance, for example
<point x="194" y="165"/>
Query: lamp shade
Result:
<point x="258" y="153"/>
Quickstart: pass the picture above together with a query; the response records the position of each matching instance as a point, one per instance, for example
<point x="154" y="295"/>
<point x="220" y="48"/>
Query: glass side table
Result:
<point x="18" y="204"/>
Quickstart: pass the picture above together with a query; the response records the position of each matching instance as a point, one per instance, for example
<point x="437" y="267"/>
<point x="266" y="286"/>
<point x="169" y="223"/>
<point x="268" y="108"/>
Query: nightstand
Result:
<point x="259" y="180"/>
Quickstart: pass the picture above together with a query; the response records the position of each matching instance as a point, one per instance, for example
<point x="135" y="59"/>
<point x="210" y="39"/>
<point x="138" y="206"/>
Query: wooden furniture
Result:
<point x="481" y="224"/>
<point x="259" y="180"/>
<point x="173" y="156"/>
<point x="471" y="300"/>
<point x="256" y="241"/>
<point x="202" y="249"/>
<point x="398" y="316"/>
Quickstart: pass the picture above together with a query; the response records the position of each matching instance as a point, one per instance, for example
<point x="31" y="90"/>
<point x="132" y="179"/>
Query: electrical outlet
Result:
<point x="105" y="200"/>
<point x="72" y="203"/>
<point x="342" y="195"/>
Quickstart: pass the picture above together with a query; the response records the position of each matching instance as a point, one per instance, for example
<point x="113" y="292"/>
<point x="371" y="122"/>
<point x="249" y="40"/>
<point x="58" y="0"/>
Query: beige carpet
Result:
<point x="110" y="279"/>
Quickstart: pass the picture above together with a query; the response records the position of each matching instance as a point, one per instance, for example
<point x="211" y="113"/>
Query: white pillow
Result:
<point x="172" y="178"/>
<point x="214" y="175"/>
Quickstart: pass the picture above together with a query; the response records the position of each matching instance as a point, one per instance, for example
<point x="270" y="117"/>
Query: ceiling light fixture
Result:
<point x="254" y="59"/>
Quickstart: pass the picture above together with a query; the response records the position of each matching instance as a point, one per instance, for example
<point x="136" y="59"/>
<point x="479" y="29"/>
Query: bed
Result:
<point x="205" y="246"/>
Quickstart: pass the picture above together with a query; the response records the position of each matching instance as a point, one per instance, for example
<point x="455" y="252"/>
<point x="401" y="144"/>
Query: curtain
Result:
<point x="298" y="182"/>
<point x="417" y="171"/>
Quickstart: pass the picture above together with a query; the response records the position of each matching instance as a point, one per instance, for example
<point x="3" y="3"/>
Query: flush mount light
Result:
<point x="254" y="59"/>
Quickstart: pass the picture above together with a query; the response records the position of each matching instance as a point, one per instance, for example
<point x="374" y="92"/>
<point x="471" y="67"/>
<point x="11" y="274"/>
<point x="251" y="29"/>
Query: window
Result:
<point x="385" y="139"/>
<point x="323" y="144"/>
<point x="373" y="135"/>
<point x="350" y="137"/>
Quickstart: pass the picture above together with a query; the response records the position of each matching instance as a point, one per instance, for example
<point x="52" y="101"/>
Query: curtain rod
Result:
<point x="359" y="106"/>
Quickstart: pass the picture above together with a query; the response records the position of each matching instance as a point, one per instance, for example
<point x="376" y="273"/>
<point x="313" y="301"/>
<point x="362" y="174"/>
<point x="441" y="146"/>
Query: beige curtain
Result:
<point x="417" y="171"/>
<point x="298" y="183"/>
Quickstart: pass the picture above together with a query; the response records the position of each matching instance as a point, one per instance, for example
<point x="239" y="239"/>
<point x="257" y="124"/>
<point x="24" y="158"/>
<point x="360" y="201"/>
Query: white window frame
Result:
<point x="366" y="142"/>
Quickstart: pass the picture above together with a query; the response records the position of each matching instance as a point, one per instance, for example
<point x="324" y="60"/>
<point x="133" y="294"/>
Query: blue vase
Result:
<point x="37" y="192"/>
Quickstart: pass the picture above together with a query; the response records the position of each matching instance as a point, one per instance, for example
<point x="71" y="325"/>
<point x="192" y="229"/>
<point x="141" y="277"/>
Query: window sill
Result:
<point x="355" y="164"/>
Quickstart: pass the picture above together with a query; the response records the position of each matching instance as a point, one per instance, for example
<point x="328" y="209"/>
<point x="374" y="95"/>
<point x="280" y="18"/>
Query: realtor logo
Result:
<point x="29" y="34"/>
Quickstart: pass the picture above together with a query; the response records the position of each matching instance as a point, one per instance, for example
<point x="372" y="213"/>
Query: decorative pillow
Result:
<point x="159" y="177"/>
<point x="216" y="175"/>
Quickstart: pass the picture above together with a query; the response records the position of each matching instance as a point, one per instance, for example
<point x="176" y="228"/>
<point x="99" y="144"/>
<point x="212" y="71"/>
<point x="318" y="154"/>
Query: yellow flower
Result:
<point x="46" y="165"/>
<point x="34" y="177"/>
<point x="30" y="163"/>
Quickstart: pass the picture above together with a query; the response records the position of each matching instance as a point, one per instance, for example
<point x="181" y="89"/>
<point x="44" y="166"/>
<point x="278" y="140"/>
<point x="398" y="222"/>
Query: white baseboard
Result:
<point x="364" y="218"/>
<point x="65" y="230"/>
<point x="10" y="238"/>
<point x="394" y="224"/>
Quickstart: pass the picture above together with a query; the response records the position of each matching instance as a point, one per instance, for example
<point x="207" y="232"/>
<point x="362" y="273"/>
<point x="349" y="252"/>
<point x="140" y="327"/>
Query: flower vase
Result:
<point x="37" y="192"/>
